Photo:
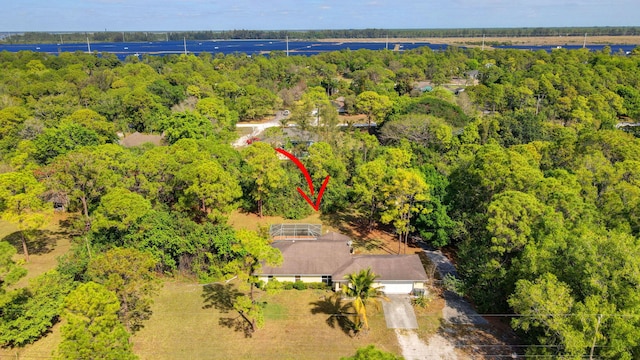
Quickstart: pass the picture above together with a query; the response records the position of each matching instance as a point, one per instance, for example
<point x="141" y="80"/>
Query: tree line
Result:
<point x="523" y="175"/>
<point x="242" y="34"/>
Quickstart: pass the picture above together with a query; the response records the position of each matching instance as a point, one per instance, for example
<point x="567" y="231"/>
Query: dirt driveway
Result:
<point x="399" y="313"/>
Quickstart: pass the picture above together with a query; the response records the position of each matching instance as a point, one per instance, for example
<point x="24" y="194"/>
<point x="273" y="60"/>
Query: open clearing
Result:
<point x="45" y="246"/>
<point x="295" y="328"/>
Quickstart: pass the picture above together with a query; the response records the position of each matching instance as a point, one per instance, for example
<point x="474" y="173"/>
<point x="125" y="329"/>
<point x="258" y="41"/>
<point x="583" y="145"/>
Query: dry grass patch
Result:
<point x="251" y="221"/>
<point x="41" y="349"/>
<point x="45" y="246"/>
<point x="381" y="239"/>
<point x="6" y="228"/>
<point x="429" y="317"/>
<point x="181" y="328"/>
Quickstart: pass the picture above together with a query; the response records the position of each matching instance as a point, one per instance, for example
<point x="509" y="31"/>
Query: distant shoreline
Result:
<point x="506" y="40"/>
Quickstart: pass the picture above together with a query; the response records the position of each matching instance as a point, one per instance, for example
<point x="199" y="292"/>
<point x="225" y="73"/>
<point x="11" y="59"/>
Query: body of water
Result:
<point x="249" y="47"/>
<point x="253" y="47"/>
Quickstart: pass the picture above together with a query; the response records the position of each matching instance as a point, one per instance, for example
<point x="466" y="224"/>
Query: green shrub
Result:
<point x="273" y="286"/>
<point x="422" y="301"/>
<point x="317" y="286"/>
<point x="260" y="284"/>
<point x="299" y="285"/>
<point x="453" y="284"/>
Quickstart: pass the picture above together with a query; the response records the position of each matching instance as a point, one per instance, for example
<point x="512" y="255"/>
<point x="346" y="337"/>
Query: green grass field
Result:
<point x="180" y="328"/>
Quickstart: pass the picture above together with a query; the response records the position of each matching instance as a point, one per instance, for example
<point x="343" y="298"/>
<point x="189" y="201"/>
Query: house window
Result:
<point x="298" y="278"/>
<point x="326" y="279"/>
<point x="269" y="277"/>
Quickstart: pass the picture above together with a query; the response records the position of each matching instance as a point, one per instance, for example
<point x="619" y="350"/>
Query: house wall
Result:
<point x="337" y="286"/>
<point x="306" y="279"/>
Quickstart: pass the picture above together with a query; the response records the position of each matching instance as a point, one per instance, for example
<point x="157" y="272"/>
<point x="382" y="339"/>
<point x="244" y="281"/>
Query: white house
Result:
<point x="328" y="258"/>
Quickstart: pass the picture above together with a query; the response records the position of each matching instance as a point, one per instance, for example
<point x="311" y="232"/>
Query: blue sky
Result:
<point x="174" y="15"/>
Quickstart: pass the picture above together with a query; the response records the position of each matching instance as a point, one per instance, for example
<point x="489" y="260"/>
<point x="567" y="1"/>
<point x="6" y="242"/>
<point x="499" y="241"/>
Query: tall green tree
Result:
<point x="373" y="105"/>
<point x="222" y="119"/>
<point x="548" y="303"/>
<point x="129" y="273"/>
<point x="186" y="125"/>
<point x="85" y="175"/>
<point x="120" y="209"/>
<point x="264" y="170"/>
<point x="91" y="120"/>
<point x="93" y="330"/>
<point x="29" y="313"/>
<point x="405" y="196"/>
<point x="21" y="203"/>
<point x="436" y="226"/>
<point x="64" y="138"/>
<point x="323" y="162"/>
<point x="251" y="251"/>
<point x="209" y="189"/>
<point x="368" y="185"/>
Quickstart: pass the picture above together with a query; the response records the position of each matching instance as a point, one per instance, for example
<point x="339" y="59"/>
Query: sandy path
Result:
<point x="257" y="129"/>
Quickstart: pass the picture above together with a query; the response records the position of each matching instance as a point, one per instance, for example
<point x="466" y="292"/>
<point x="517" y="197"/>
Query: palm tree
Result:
<point x="360" y="287"/>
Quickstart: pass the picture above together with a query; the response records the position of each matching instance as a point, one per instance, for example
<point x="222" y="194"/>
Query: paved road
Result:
<point x="456" y="309"/>
<point x="399" y="313"/>
<point x="257" y="129"/>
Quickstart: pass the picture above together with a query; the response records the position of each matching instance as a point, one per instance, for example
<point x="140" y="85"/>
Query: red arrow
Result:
<point x="316" y="205"/>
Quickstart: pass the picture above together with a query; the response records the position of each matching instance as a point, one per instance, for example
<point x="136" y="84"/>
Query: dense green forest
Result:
<point x="116" y="36"/>
<point x="523" y="175"/>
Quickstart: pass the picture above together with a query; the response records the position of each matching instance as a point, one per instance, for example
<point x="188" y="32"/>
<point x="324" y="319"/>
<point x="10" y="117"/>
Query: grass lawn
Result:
<point x="429" y="317"/>
<point x="41" y="349"/>
<point x="251" y="221"/>
<point x="180" y="328"/>
<point x="6" y="228"/>
<point x="44" y="246"/>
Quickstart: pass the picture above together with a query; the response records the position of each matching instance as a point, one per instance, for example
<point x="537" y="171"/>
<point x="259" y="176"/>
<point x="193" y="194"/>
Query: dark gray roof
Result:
<point x="137" y="139"/>
<point x="309" y="257"/>
<point x="387" y="267"/>
<point x="330" y="255"/>
<point x="334" y="236"/>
